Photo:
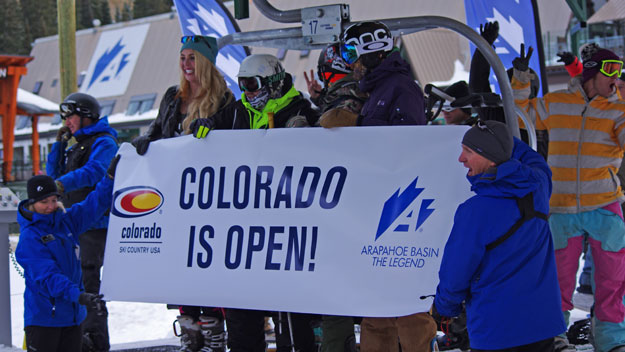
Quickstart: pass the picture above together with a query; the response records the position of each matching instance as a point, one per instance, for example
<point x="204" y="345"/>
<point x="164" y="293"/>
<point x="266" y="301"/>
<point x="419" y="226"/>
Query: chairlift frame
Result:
<point x="294" y="38"/>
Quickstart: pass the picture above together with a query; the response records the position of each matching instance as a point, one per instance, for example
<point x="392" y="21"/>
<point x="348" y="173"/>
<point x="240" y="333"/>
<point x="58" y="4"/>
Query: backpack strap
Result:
<point x="526" y="208"/>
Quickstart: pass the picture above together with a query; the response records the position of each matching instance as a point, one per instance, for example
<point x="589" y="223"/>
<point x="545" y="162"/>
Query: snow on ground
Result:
<point x="130" y="323"/>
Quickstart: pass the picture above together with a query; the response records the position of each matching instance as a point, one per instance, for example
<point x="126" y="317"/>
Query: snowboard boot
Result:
<point x="191" y="339"/>
<point x="579" y="332"/>
<point x="561" y="344"/>
<point x="212" y="329"/>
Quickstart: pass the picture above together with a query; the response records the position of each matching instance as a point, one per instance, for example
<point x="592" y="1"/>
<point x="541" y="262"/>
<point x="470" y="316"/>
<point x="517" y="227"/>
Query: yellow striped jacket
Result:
<point x="586" y="142"/>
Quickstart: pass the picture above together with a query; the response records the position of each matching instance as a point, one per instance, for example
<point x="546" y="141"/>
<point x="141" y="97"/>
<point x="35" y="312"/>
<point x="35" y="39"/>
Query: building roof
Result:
<point x="33" y="104"/>
<point x="613" y="10"/>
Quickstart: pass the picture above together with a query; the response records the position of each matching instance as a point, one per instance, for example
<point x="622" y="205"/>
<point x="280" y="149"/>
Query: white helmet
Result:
<point x="261" y="65"/>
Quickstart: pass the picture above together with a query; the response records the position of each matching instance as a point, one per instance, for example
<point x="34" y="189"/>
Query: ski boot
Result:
<point x="579" y="332"/>
<point x="191" y="339"/>
<point x="561" y="344"/>
<point x="212" y="329"/>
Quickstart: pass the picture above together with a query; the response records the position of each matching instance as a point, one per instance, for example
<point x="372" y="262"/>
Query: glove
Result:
<point x="490" y="31"/>
<point x="110" y="172"/>
<point x="92" y="301"/>
<point x="64" y="134"/>
<point x="566" y="57"/>
<point x="438" y="318"/>
<point x="522" y="63"/>
<point x="338" y="118"/>
<point x="141" y="144"/>
<point x="201" y="127"/>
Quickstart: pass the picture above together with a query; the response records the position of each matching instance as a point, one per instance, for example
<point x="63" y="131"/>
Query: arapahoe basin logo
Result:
<point x="135" y="201"/>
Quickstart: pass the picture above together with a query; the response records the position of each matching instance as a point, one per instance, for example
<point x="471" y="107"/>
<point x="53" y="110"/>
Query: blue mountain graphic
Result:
<point x="396" y="205"/>
<point x="105" y="60"/>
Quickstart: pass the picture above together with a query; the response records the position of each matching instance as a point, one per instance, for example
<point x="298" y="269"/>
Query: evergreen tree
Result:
<point x="118" y="14"/>
<point x="105" y="12"/>
<point x="14" y="38"/>
<point x="126" y="13"/>
<point x="84" y="14"/>
<point x="40" y="18"/>
<point x="144" y="8"/>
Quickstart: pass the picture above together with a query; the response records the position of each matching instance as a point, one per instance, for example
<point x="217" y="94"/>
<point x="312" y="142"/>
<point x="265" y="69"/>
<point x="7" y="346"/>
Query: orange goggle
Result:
<point x="611" y="67"/>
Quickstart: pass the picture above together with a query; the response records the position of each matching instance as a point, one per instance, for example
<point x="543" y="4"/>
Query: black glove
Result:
<point x="64" y="134"/>
<point x="522" y="63"/>
<point x="490" y="31"/>
<point x="566" y="57"/>
<point x="141" y="144"/>
<point x="113" y="166"/>
<point x="201" y="127"/>
<point x="438" y="318"/>
<point x="92" y="301"/>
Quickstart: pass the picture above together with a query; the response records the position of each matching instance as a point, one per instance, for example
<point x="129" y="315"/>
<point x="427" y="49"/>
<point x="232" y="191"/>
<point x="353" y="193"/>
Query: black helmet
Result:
<point x="331" y="63"/>
<point x="363" y="38"/>
<point x="83" y="105"/>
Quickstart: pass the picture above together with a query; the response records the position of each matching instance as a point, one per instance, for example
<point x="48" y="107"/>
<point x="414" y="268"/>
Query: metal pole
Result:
<point x="5" y="294"/>
<point x="290" y="16"/>
<point x="66" y="11"/>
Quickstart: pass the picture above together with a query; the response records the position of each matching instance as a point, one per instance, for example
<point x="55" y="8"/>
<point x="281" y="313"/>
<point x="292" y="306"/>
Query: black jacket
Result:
<point x="166" y="124"/>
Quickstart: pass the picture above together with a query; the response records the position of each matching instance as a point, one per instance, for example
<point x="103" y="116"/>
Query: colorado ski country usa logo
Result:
<point x="135" y="201"/>
<point x="397" y="204"/>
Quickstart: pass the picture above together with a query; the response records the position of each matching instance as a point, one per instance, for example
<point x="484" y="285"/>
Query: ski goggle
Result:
<point x="68" y="109"/>
<point x="250" y="84"/>
<point x="448" y="109"/>
<point x="611" y="67"/>
<point x="349" y="53"/>
<point x="194" y="39"/>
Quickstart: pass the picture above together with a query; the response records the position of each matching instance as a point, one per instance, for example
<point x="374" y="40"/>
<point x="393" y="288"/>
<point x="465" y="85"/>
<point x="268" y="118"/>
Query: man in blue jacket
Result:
<point x="77" y="170"/>
<point x="499" y="258"/>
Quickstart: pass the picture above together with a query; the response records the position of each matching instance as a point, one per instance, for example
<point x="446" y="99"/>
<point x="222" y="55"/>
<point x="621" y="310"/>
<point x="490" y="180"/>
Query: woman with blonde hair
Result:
<point x="202" y="92"/>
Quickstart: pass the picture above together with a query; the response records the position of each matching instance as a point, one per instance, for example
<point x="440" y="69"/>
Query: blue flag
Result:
<point x="210" y="17"/>
<point x="516" y="26"/>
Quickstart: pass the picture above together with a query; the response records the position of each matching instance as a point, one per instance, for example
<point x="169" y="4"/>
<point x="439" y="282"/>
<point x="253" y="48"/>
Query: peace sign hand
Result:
<point x="314" y="88"/>
<point x="522" y="63"/>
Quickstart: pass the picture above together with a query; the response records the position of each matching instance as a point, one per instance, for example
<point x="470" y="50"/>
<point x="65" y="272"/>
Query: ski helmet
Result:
<point x="331" y="66"/>
<point x="260" y="70"/>
<point x="363" y="38"/>
<point x="83" y="105"/>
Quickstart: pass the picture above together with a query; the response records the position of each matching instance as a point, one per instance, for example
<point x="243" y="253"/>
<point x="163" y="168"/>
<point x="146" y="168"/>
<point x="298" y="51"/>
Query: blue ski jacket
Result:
<point x="49" y="252"/>
<point x="102" y="152"/>
<point x="511" y="291"/>
<point x="394" y="97"/>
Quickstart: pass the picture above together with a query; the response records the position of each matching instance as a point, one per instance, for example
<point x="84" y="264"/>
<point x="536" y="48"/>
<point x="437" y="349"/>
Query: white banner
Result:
<point x="348" y="221"/>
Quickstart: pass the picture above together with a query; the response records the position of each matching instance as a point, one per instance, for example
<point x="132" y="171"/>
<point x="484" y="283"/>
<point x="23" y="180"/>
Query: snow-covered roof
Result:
<point x="34" y="104"/>
<point x="114" y="120"/>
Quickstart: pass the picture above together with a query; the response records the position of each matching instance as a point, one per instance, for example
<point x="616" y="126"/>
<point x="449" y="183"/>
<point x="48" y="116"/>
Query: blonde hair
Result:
<point x="59" y="204"/>
<point x="207" y="101"/>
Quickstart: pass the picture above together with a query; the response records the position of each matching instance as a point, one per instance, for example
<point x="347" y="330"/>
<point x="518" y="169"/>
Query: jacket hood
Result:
<point x="509" y="179"/>
<point x="393" y="64"/>
<point x="102" y="125"/>
<point x="27" y="218"/>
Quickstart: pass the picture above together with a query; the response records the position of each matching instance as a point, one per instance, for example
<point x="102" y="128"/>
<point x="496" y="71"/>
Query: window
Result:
<point x="106" y="107"/>
<point x="37" y="87"/>
<point x="140" y="104"/>
<point x="81" y="78"/>
<point x="304" y="53"/>
<point x="54" y="82"/>
<point x="281" y="54"/>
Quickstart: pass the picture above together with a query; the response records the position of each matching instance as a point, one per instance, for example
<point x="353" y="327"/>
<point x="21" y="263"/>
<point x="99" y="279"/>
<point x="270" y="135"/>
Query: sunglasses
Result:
<point x="68" y="109"/>
<point x="611" y="67"/>
<point x="349" y="53"/>
<point x="250" y="84"/>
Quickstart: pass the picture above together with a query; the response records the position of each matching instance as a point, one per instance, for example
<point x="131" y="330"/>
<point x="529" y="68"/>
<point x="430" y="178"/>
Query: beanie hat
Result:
<point x="457" y="90"/>
<point x="40" y="187"/>
<point x="207" y="46"/>
<point x="592" y="57"/>
<point x="490" y="139"/>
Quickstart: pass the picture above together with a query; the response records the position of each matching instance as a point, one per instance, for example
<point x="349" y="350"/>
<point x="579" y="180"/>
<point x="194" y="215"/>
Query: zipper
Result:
<point x="53" y="302"/>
